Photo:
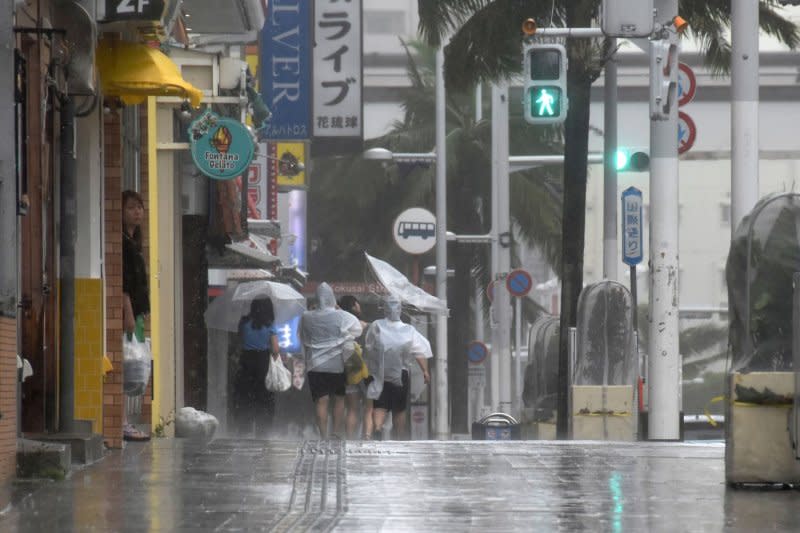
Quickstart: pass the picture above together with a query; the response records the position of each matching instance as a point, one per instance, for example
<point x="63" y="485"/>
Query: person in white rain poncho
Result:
<point x="391" y="346"/>
<point x="327" y="334"/>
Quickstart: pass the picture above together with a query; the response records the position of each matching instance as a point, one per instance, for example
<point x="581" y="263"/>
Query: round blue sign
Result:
<point x="222" y="148"/>
<point x="477" y="352"/>
<point x="519" y="282"/>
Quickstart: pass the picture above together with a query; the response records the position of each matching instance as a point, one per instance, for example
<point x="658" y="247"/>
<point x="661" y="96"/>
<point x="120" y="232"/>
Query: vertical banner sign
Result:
<point x="257" y="185"/>
<point x="338" y="79"/>
<point x="272" y="181"/>
<point x="272" y="188"/>
<point x="285" y="68"/>
<point x="631" y="226"/>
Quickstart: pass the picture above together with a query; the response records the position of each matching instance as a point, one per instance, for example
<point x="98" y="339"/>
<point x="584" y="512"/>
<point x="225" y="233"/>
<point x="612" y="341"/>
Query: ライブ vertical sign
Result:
<point x="338" y="76"/>
<point x="285" y="66"/>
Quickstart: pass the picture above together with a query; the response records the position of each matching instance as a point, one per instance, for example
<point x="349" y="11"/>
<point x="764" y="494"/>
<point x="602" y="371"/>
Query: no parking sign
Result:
<point x="519" y="283"/>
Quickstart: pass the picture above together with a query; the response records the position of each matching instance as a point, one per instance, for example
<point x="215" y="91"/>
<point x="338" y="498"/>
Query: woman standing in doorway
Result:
<point x="135" y="292"/>
<point x="253" y="404"/>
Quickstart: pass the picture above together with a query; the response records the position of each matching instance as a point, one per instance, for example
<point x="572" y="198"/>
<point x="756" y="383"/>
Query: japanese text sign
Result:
<point x="632" y="226"/>
<point x="337" y="70"/>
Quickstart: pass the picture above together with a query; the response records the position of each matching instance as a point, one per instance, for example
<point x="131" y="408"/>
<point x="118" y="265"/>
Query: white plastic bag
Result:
<point x="135" y="365"/>
<point x="278" y="378"/>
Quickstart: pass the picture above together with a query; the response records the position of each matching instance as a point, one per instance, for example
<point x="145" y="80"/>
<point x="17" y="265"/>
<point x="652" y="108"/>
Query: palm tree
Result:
<point x="343" y="224"/>
<point x="486" y="45"/>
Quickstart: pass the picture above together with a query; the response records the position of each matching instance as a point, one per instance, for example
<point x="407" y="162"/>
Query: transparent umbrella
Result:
<point x="399" y="285"/>
<point x="227" y="309"/>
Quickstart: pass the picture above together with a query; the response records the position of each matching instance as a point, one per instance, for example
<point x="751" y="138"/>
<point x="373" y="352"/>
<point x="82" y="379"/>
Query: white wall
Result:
<point x="89" y="180"/>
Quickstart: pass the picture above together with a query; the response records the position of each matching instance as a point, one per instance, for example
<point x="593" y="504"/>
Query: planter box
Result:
<point x="603" y="412"/>
<point x="758" y="444"/>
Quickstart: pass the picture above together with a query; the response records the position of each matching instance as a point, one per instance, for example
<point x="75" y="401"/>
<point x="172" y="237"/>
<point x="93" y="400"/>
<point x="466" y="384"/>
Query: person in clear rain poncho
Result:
<point x="327" y="335"/>
<point x="391" y="346"/>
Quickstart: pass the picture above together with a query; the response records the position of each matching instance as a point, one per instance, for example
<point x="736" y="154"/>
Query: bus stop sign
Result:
<point x="414" y="231"/>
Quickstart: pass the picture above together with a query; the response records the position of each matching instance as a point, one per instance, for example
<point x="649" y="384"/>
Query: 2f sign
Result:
<point x="132" y="6"/>
<point x="133" y="10"/>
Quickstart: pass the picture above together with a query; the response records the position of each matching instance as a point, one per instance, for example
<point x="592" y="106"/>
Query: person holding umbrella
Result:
<point x="391" y="346"/>
<point x="253" y="404"/>
<point x="328" y="335"/>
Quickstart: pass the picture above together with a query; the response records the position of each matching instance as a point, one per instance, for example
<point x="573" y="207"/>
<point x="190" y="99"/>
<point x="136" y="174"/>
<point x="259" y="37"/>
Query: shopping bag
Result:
<point x="135" y="365"/>
<point x="278" y="378"/>
<point x="355" y="367"/>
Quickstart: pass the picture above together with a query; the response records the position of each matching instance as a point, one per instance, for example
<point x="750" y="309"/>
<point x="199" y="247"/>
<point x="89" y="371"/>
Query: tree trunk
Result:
<point x="459" y="335"/>
<point x="576" y="150"/>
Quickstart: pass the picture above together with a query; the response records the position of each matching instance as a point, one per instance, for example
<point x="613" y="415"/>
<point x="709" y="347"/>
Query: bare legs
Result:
<point x="353" y="414"/>
<point x="322" y="415"/>
<point x="338" y="415"/>
<point x="379" y="417"/>
<point x="400" y="423"/>
<point x="369" y="427"/>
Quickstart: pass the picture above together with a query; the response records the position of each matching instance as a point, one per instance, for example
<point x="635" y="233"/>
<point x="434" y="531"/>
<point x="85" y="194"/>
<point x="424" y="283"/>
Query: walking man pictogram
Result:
<point x="545" y="102"/>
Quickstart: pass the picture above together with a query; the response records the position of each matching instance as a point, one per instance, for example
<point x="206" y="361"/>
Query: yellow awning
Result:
<point x="134" y="71"/>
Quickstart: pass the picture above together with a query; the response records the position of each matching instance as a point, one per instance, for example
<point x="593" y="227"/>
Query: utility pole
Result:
<point x="494" y="362"/>
<point x="744" y="109"/>
<point x="610" y="254"/>
<point x="664" y="362"/>
<point x="441" y="425"/>
<point x="8" y="176"/>
<point x="501" y="252"/>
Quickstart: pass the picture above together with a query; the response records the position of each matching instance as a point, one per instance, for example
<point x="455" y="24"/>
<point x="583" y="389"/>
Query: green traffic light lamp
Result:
<point x="631" y="160"/>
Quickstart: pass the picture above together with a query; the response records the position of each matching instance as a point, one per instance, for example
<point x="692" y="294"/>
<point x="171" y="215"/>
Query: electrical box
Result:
<point x="627" y="18"/>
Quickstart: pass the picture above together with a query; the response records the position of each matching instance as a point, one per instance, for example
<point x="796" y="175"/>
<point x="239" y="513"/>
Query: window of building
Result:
<point x="131" y="149"/>
<point x="725" y="213"/>
<point x="380" y="22"/>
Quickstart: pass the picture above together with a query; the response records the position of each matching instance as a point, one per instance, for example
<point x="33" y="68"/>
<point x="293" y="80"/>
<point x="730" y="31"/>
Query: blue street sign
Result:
<point x="477" y="352"/>
<point x="631" y="226"/>
<point x="519" y="283"/>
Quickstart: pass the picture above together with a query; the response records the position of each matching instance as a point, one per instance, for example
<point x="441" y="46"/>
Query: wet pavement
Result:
<point x="251" y="485"/>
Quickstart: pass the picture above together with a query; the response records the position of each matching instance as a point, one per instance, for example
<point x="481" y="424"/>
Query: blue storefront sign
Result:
<point x="288" y="336"/>
<point x="222" y="147"/>
<point x="285" y="69"/>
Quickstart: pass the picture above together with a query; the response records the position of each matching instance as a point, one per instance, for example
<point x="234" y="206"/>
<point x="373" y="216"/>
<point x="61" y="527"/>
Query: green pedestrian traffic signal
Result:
<point x="545" y="101"/>
<point x="545" y="94"/>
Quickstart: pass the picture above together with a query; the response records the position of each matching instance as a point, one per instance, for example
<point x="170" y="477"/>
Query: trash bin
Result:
<point x="496" y="426"/>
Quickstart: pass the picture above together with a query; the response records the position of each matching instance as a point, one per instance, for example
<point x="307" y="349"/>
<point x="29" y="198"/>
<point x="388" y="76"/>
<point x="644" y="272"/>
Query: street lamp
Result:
<point x="441" y="415"/>
<point x="382" y="154"/>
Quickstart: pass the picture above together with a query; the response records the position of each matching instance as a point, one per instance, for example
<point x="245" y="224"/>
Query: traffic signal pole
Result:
<point x="610" y="254"/>
<point x="664" y="364"/>
<point x="501" y="252"/>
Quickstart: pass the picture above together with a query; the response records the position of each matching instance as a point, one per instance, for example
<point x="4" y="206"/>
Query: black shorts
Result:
<point x="394" y="398"/>
<point x="326" y="384"/>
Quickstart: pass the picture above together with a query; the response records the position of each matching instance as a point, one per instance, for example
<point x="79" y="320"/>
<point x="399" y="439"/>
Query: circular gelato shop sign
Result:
<point x="222" y="148"/>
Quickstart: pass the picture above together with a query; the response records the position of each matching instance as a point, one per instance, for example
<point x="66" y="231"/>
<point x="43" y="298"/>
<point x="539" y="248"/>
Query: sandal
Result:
<point x="130" y="433"/>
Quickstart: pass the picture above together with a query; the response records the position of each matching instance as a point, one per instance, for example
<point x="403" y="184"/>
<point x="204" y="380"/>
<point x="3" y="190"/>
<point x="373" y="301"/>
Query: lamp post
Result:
<point x="441" y="413"/>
